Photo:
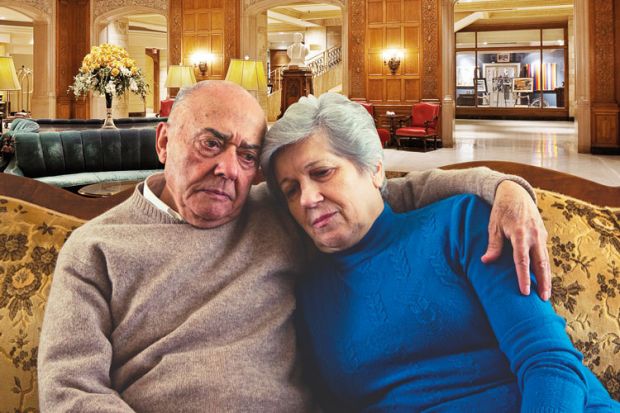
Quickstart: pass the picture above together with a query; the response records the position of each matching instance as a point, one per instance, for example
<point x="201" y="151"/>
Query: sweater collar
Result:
<point x="380" y="236"/>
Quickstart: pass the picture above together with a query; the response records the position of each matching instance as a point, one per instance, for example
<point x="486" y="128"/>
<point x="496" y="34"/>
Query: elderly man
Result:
<point x="181" y="298"/>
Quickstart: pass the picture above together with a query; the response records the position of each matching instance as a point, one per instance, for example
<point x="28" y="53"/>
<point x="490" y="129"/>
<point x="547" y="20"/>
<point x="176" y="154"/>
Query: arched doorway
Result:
<point x="143" y="32"/>
<point x="254" y="30"/>
<point x="43" y="100"/>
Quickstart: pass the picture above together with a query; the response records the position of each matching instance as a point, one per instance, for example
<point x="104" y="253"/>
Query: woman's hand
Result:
<point x="515" y="216"/>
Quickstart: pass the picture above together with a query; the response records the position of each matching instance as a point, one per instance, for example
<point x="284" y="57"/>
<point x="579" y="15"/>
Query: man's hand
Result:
<point x="515" y="216"/>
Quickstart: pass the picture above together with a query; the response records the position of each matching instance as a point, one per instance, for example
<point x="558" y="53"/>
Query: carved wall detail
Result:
<point x="43" y="5"/>
<point x="430" y="49"/>
<point x="357" y="51"/>
<point x="232" y="32"/>
<point x="175" y="32"/>
<point x="103" y="6"/>
<point x="604" y="58"/>
<point x="72" y="43"/>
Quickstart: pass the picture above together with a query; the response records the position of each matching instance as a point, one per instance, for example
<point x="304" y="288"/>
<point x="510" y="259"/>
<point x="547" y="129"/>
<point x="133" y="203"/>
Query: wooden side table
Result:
<point x="103" y="189"/>
<point x="394" y="120"/>
<point x="295" y="84"/>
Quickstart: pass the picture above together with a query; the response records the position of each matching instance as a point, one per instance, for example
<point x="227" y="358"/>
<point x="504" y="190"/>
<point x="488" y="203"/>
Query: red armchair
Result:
<point x="165" y="107"/>
<point x="384" y="134"/>
<point x="423" y="124"/>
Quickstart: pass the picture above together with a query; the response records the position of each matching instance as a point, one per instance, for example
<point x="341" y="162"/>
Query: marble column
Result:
<point x="582" y="75"/>
<point x="448" y="84"/>
<point x="43" y="103"/>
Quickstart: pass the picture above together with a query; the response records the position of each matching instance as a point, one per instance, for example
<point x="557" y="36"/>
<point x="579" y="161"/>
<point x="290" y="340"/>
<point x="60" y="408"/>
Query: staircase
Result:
<point x="326" y="76"/>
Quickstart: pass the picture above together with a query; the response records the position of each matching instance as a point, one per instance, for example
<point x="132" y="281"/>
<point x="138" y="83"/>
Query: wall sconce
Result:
<point x="202" y="61"/>
<point x="392" y="58"/>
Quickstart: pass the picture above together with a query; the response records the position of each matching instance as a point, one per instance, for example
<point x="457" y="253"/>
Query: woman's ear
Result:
<point x="378" y="176"/>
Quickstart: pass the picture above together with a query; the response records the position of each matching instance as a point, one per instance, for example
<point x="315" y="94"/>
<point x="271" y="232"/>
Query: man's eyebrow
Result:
<point x="226" y="138"/>
<point x="218" y="134"/>
<point x="245" y="145"/>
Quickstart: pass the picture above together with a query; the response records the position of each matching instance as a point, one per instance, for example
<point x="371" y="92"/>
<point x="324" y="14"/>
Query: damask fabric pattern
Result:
<point x="584" y="248"/>
<point x="584" y="243"/>
<point x="30" y="238"/>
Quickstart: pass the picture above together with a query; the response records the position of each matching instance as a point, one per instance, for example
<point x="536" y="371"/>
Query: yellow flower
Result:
<point x="134" y="70"/>
<point x="84" y="69"/>
<point x="115" y="72"/>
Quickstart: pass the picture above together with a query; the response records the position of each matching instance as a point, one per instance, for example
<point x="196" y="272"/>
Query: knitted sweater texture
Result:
<point x="411" y="320"/>
<point x="149" y="314"/>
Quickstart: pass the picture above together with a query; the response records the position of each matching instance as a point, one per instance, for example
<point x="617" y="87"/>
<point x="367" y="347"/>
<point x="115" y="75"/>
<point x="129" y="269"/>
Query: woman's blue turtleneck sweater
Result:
<point x="410" y="319"/>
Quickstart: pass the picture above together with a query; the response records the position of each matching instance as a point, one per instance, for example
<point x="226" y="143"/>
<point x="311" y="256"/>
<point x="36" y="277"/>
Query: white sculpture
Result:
<point x="297" y="52"/>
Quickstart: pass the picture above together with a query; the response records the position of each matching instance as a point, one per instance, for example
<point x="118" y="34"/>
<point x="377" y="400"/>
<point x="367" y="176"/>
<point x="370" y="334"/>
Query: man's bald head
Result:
<point x="210" y="148"/>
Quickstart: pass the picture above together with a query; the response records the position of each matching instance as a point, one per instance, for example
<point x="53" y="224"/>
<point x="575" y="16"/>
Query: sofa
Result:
<point x="76" y="158"/>
<point x="51" y="125"/>
<point x="582" y="218"/>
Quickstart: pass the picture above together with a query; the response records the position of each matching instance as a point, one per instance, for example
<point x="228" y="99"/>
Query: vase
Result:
<point x="109" y="122"/>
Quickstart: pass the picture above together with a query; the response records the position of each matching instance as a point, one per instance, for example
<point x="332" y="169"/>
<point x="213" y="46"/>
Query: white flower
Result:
<point x="125" y="71"/>
<point x="133" y="86"/>
<point x="109" y="88"/>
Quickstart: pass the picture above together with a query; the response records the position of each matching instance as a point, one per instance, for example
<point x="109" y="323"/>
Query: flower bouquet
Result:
<point x="109" y="70"/>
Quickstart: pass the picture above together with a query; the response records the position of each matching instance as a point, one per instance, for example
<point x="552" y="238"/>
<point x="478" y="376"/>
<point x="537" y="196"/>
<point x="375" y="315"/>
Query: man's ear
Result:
<point x="378" y="176"/>
<point x="161" y="142"/>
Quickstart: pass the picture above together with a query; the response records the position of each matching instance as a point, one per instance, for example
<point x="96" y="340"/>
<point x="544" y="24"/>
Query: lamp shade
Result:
<point x="180" y="76"/>
<point x="8" y="76"/>
<point x="250" y="74"/>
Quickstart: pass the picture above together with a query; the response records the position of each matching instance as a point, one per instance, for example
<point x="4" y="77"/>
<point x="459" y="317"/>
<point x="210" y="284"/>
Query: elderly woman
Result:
<point x="397" y="312"/>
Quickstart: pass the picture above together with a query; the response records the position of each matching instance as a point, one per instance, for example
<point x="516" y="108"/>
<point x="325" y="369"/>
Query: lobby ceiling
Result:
<point x="481" y="13"/>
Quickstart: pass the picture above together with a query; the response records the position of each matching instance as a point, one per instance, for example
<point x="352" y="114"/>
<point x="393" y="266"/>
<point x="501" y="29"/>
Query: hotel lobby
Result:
<point x="524" y="87"/>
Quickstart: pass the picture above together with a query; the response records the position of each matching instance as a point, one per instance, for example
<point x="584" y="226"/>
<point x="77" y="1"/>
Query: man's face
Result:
<point x="211" y="150"/>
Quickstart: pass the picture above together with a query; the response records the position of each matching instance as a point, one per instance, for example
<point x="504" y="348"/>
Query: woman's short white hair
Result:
<point x="350" y="130"/>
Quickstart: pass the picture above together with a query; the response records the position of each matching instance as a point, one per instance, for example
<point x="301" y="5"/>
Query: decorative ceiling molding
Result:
<point x="44" y="6"/>
<point x="430" y="49"/>
<point x="265" y="4"/>
<point x="357" y="48"/>
<point x="104" y="6"/>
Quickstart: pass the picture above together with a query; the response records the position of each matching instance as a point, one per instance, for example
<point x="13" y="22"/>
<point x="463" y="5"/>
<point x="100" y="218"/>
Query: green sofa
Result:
<point x="77" y="158"/>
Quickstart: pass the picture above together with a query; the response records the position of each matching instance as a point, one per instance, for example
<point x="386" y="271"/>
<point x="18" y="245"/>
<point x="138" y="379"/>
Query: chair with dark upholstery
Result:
<point x="384" y="134"/>
<point x="422" y="124"/>
<point x="82" y="157"/>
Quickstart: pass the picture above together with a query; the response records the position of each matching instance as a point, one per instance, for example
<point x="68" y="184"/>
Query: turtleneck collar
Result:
<point x="380" y="236"/>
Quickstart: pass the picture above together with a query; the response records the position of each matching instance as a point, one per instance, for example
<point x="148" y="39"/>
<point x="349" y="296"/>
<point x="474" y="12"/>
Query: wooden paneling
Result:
<point x="393" y="24"/>
<point x="207" y="26"/>
<point x="603" y="82"/>
<point x="605" y="126"/>
<point x="72" y="44"/>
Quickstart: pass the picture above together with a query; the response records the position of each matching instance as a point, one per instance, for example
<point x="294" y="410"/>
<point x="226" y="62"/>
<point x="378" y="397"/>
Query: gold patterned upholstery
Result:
<point x="584" y="247"/>
<point x="30" y="238"/>
<point x="584" y="242"/>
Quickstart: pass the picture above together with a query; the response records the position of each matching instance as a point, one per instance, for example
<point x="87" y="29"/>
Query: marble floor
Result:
<point x="549" y="144"/>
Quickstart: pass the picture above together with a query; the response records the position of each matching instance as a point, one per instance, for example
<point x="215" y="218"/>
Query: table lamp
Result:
<point x="250" y="74"/>
<point x="8" y="80"/>
<point x="180" y="76"/>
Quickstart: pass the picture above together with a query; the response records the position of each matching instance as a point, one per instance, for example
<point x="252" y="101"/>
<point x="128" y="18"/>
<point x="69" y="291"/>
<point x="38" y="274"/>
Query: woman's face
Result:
<point x="333" y="201"/>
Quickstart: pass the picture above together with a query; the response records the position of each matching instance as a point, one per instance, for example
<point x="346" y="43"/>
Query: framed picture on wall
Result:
<point x="523" y="84"/>
<point x="481" y="85"/>
<point x="503" y="57"/>
<point x="465" y="76"/>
